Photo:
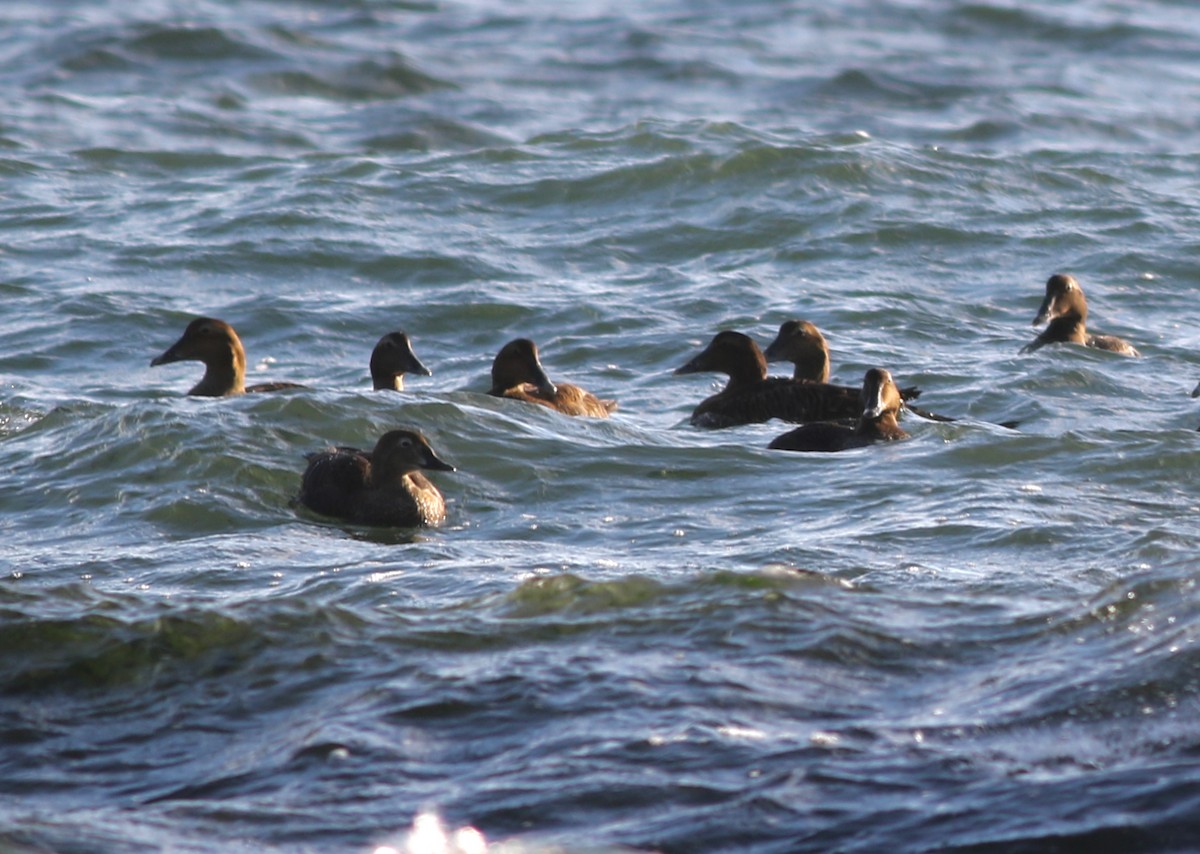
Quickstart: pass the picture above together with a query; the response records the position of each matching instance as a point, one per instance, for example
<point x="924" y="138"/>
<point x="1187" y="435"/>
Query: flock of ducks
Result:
<point x="386" y="485"/>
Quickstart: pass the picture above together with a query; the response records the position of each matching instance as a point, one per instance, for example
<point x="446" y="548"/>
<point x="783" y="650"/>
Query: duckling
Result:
<point x="751" y="396"/>
<point x="802" y="344"/>
<point x="1065" y="307"/>
<point x="881" y="404"/>
<point x="391" y="359"/>
<point x="517" y="373"/>
<point x="379" y="487"/>
<point x="214" y="343"/>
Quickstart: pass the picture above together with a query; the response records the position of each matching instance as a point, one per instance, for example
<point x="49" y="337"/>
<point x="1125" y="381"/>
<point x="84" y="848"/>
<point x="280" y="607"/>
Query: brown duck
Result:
<point x="392" y="358"/>
<point x="802" y="344"/>
<point x="383" y="486"/>
<point x="517" y="373"/>
<point x="1065" y="307"/>
<point x="751" y="396"/>
<point x="214" y="343"/>
<point x="880" y="406"/>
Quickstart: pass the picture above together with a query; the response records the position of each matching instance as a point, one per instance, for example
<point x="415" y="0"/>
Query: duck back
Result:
<point x="777" y="397"/>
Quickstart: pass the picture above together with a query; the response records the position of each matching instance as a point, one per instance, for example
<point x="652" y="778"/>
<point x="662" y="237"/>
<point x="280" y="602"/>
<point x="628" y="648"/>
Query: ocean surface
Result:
<point x="631" y="635"/>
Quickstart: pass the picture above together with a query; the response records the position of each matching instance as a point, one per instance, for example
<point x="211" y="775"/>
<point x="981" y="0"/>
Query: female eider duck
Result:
<point x="392" y="358"/>
<point x="880" y="405"/>
<point x="214" y="343"/>
<point x="379" y="487"/>
<point x="517" y="373"/>
<point x="751" y="396"/>
<point x="802" y="344"/>
<point x="1065" y="307"/>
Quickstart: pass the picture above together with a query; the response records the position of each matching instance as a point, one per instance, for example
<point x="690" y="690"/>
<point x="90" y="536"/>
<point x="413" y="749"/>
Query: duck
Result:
<point x="801" y="343"/>
<point x="215" y="343"/>
<point x="517" y="373"/>
<point x="1065" y="308"/>
<point x="752" y="397"/>
<point x="880" y="403"/>
<point x="392" y="358"/>
<point x="383" y="486"/>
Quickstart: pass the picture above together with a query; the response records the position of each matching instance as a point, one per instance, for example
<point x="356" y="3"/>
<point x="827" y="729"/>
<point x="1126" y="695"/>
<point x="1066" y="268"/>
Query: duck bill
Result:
<point x="697" y="365"/>
<point x="417" y="367"/>
<point x="171" y="354"/>
<point x="537" y="376"/>
<point x="772" y="354"/>
<point x="414" y="365"/>
<point x="874" y="403"/>
<point x="1044" y="312"/>
<point x="1196" y="391"/>
<point x="436" y="463"/>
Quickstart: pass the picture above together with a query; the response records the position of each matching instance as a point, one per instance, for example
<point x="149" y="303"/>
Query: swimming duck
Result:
<point x="1065" y="307"/>
<point x="751" y="396"/>
<point x="379" y="487"/>
<point x="214" y="343"/>
<point x="802" y="344"/>
<point x="391" y="359"/>
<point x="517" y="373"/>
<point x="880" y="405"/>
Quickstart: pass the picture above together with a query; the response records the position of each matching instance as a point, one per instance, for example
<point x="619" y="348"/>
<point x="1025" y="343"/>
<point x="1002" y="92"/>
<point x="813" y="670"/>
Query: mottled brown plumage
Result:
<point x="1065" y="307"/>
<point x="517" y="373"/>
<point x="379" y="487"/>
<point x="880" y="404"/>
<point x="751" y="396"/>
<point x="214" y="343"/>
<point x="392" y="358"/>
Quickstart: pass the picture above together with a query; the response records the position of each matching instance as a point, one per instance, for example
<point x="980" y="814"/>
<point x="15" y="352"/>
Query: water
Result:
<point x="630" y="635"/>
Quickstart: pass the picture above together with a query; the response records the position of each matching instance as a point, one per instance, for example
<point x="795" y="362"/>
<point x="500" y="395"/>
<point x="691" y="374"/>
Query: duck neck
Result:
<point x="224" y="375"/>
<point x="388" y="471"/>
<point x="383" y="381"/>
<point x="746" y="373"/>
<point x="1068" y="327"/>
<point x="813" y="368"/>
<point x="883" y="425"/>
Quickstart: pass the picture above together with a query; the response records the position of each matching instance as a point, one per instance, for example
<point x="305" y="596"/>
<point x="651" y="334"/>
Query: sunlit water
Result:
<point x="630" y="635"/>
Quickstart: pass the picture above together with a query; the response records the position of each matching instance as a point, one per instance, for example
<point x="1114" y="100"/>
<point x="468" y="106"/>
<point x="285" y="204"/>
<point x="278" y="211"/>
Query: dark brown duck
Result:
<point x="517" y="373"/>
<point x="214" y="343"/>
<point x="751" y="397"/>
<point x="877" y="422"/>
<point x="1065" y="307"/>
<point x="392" y="358"/>
<point x="383" y="486"/>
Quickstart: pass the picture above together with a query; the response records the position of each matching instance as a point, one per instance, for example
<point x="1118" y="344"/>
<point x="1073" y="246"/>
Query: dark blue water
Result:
<point x="630" y="634"/>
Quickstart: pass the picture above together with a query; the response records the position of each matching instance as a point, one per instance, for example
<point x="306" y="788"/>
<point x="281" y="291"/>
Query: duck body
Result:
<point x="801" y="343"/>
<point x="1064" y="310"/>
<point x="216" y="344"/>
<point x="392" y="358"/>
<point x="776" y="397"/>
<point x="383" y="486"/>
<point x="517" y="374"/>
<point x="880" y="404"/>
<point x="752" y="397"/>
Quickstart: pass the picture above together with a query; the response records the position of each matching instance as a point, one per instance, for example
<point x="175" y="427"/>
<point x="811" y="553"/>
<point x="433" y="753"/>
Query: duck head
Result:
<point x="392" y="358"/>
<point x="518" y="363"/>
